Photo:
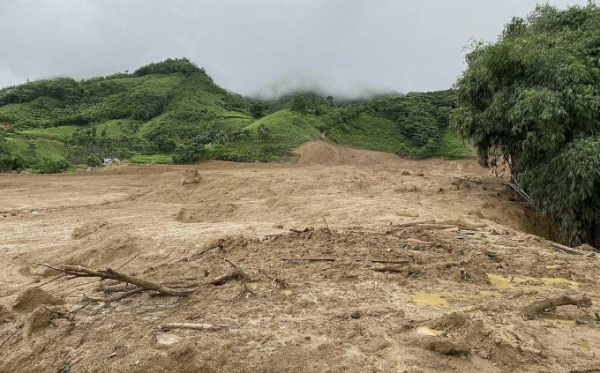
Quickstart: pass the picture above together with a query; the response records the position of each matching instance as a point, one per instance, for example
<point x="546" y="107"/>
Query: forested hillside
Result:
<point x="532" y="101"/>
<point x="172" y="111"/>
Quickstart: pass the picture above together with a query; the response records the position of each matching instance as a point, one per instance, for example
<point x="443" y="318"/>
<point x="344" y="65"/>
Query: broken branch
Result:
<point x="147" y="284"/>
<point x="437" y="226"/>
<point x="310" y="259"/>
<point x="564" y="249"/>
<point x="534" y="308"/>
<point x="80" y="271"/>
<point x="192" y="326"/>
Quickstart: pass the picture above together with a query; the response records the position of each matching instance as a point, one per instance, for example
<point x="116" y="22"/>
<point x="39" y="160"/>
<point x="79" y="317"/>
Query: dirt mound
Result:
<point x="208" y="213"/>
<point x="38" y="320"/>
<point x="88" y="229"/>
<point x="31" y="298"/>
<point x="327" y="153"/>
<point x="190" y="176"/>
<point x="368" y="290"/>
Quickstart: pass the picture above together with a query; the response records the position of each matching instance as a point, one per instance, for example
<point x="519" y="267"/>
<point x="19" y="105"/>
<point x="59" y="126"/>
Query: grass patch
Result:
<point x="368" y="132"/>
<point x="453" y="147"/>
<point x="151" y="159"/>
<point x="62" y="133"/>
<point x="42" y="149"/>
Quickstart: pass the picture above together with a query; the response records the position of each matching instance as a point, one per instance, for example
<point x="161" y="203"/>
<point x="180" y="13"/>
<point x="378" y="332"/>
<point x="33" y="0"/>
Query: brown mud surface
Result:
<point x="455" y="306"/>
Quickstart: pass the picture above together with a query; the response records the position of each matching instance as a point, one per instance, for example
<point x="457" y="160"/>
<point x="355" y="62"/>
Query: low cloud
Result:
<point x="322" y="84"/>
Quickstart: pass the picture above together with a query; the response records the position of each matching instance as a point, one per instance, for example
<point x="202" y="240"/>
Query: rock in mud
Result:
<point x="191" y="176"/>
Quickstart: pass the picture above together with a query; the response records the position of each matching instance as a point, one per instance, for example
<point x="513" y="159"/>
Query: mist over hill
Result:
<point x="173" y="111"/>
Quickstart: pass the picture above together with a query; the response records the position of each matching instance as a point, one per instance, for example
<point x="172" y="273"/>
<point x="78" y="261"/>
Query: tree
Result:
<point x="299" y="105"/>
<point x="93" y="161"/>
<point x="533" y="98"/>
<point x="330" y="100"/>
<point x="257" y="110"/>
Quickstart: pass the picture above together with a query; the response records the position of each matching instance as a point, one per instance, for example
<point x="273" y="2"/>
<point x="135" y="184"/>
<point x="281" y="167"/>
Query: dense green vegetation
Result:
<point x="172" y="111"/>
<point x="532" y="99"/>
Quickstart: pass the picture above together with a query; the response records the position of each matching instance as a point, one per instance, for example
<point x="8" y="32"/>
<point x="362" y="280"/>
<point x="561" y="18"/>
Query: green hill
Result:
<point x="173" y="110"/>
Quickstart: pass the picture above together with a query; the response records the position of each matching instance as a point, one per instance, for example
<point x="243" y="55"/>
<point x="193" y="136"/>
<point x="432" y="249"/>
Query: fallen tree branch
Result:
<point x="80" y="271"/>
<point x="565" y="249"/>
<point x="193" y="326"/>
<point x="387" y="269"/>
<point x="585" y="370"/>
<point x="52" y="280"/>
<point x="147" y="284"/>
<point x="311" y="259"/>
<point x="120" y="296"/>
<point x="437" y="226"/>
<point x="534" y="308"/>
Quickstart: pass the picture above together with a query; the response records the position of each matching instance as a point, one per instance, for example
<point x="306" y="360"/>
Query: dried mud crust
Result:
<point x="329" y="316"/>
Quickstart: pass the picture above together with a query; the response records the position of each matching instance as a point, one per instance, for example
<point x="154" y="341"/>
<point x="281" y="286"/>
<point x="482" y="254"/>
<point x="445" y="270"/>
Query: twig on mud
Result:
<point x="418" y="242"/>
<point x="193" y="326"/>
<point x="116" y="298"/>
<point x="325" y="221"/>
<point x="245" y="292"/>
<point x="60" y="314"/>
<point x="109" y="273"/>
<point x="407" y="225"/>
<point x="279" y="283"/>
<point x="585" y="370"/>
<point x="221" y="280"/>
<point x="534" y="308"/>
<point x="54" y="279"/>
<point x="129" y="261"/>
<point x="438" y="226"/>
<point x="311" y="259"/>
<point x="387" y="269"/>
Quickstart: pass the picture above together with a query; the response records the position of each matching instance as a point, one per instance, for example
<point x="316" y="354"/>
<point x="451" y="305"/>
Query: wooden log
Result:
<point x="387" y="270"/>
<point x="437" y="226"/>
<point x="534" y="308"/>
<point x="218" y="281"/>
<point x="147" y="284"/>
<point x="418" y="242"/>
<point x="192" y="326"/>
<point x="412" y="224"/>
<point x="565" y="249"/>
<point x="312" y="259"/>
<point x="585" y="370"/>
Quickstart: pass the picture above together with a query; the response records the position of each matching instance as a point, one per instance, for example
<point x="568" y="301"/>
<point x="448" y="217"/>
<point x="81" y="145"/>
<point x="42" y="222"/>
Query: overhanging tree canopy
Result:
<point x="533" y="99"/>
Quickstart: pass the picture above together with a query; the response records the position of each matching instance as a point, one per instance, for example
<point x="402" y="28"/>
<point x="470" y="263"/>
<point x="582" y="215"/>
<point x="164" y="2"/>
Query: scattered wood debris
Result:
<point x="193" y="326"/>
<point x="311" y="259"/>
<point x="530" y="311"/>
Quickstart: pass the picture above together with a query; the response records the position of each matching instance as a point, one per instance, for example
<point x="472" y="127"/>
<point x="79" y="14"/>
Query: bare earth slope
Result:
<point x="456" y="305"/>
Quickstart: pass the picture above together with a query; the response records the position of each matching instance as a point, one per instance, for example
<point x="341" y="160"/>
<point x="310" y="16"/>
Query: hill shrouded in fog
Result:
<point x="173" y="111"/>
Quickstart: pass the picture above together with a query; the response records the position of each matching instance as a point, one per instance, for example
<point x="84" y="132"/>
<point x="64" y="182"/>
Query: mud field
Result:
<point x="447" y="295"/>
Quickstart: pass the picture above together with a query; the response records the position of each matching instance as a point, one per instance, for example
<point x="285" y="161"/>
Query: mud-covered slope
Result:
<point x="455" y="302"/>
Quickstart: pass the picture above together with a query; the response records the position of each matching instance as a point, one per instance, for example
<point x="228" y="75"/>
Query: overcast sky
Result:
<point x="249" y="46"/>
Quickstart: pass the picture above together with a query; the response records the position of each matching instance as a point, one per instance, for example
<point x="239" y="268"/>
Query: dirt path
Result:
<point x="454" y="307"/>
